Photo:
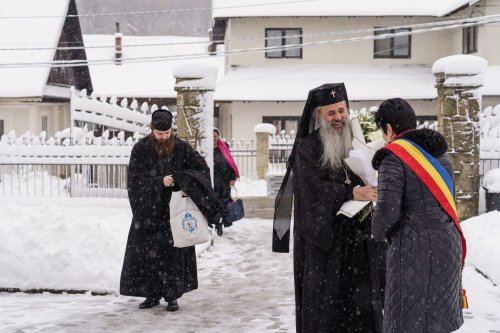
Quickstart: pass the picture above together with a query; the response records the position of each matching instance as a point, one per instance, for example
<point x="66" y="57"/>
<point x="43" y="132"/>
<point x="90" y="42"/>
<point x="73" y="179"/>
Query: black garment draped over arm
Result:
<point x="196" y="184"/>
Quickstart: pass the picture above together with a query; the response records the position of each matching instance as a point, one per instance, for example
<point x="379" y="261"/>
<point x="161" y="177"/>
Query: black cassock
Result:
<point x="152" y="267"/>
<point x="337" y="287"/>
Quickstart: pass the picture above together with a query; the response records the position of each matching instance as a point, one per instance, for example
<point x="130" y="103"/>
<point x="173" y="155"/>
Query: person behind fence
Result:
<point x="416" y="215"/>
<point x="225" y="175"/>
<point x="152" y="267"/>
<point x="335" y="261"/>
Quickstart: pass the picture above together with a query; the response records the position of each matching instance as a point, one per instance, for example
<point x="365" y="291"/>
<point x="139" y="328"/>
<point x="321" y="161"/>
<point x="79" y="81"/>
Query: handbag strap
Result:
<point x="235" y="191"/>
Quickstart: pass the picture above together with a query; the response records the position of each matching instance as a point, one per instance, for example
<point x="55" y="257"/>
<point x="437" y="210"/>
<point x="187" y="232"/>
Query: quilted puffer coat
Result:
<point x="423" y="272"/>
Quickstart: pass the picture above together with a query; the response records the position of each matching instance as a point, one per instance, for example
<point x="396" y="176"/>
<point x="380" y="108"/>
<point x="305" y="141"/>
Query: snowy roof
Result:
<point x="28" y="33"/>
<point x="363" y="82"/>
<point x="151" y="77"/>
<point x="293" y="82"/>
<point x="267" y="8"/>
<point x="491" y="81"/>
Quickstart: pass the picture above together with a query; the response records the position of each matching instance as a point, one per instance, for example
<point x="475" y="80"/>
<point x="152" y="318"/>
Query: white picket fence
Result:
<point x="108" y="114"/>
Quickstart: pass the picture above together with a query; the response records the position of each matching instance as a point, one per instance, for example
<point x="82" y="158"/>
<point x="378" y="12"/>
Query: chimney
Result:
<point x="212" y="47"/>
<point x="118" y="45"/>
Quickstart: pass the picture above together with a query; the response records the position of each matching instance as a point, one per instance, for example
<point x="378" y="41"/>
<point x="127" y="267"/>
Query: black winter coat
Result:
<point x="152" y="267"/>
<point x="423" y="279"/>
<point x="223" y="174"/>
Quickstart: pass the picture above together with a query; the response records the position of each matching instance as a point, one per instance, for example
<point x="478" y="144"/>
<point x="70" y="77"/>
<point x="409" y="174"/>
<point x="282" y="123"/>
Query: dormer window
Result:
<point x="282" y="41"/>
<point x="392" y="47"/>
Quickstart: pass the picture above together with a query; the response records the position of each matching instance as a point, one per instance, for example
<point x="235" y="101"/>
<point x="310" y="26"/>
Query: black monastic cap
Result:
<point x="329" y="93"/>
<point x="161" y="120"/>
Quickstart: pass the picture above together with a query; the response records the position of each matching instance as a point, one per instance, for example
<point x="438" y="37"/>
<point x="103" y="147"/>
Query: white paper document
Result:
<point x="352" y="207"/>
<point x="360" y="162"/>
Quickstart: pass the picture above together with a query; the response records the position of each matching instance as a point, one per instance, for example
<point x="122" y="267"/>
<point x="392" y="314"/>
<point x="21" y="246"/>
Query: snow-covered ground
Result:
<point x="244" y="287"/>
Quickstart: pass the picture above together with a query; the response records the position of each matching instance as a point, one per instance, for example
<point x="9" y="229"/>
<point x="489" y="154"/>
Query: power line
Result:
<point x="79" y="63"/>
<point x="331" y="33"/>
<point x="156" y="11"/>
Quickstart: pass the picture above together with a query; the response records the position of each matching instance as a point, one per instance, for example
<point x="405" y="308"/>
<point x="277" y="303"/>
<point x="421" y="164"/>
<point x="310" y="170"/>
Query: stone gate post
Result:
<point x="195" y="108"/>
<point x="458" y="78"/>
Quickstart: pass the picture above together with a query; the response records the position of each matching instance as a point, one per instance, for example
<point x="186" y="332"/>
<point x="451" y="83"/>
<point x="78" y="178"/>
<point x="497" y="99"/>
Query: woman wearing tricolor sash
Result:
<point x="416" y="215"/>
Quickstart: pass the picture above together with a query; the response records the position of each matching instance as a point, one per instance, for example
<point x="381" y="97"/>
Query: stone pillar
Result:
<point x="195" y="108"/>
<point x="262" y="132"/>
<point x="262" y="161"/>
<point x="459" y="103"/>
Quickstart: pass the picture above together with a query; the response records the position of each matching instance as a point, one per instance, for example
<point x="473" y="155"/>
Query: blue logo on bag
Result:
<point x="189" y="223"/>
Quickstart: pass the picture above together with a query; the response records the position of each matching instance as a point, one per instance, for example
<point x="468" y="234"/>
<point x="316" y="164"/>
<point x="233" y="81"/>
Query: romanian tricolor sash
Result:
<point x="437" y="180"/>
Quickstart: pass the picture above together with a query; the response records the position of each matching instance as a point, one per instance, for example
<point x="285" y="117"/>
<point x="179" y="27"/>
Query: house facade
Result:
<point x="34" y="90"/>
<point x="276" y="53"/>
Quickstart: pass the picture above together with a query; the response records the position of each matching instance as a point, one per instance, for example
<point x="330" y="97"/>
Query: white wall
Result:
<point x="27" y="116"/>
<point x="489" y="34"/>
<point x="244" y="33"/>
<point x="425" y="48"/>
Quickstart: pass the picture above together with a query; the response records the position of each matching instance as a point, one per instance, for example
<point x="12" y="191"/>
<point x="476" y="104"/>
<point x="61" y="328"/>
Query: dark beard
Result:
<point x="163" y="147"/>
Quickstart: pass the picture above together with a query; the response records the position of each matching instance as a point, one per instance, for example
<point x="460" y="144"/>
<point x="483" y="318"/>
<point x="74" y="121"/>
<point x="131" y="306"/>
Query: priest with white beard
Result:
<point x="336" y="263"/>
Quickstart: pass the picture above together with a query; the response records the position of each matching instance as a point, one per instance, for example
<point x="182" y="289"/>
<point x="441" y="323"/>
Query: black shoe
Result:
<point x="149" y="303"/>
<point x="218" y="228"/>
<point x="173" y="305"/>
<point x="227" y="224"/>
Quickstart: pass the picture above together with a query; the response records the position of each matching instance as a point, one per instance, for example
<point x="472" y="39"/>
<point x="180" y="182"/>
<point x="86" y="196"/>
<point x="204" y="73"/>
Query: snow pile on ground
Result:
<point x="492" y="181"/>
<point x="53" y="246"/>
<point x="482" y="234"/>
<point x="60" y="247"/>
<point x="246" y="187"/>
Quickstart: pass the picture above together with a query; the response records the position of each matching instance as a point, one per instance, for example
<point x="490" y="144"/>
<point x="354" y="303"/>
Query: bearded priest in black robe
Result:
<point x="336" y="263"/>
<point x="153" y="267"/>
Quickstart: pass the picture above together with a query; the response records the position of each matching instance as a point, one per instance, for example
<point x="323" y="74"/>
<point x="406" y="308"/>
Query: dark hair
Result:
<point x="398" y="113"/>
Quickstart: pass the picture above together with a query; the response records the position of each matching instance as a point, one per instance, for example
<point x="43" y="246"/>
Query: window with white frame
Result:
<point x="287" y="123"/>
<point x="282" y="41"/>
<point x="392" y="46"/>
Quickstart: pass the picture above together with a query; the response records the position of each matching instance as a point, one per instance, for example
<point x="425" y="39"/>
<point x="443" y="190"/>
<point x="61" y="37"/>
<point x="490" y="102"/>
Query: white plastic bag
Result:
<point x="189" y="226"/>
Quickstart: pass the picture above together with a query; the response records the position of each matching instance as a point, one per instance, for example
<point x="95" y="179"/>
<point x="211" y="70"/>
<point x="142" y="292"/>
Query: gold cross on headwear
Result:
<point x="333" y="93"/>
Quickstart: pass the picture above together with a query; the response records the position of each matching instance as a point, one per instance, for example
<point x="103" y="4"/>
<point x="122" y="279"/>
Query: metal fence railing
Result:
<point x="486" y="164"/>
<point x="278" y="156"/>
<point x="63" y="180"/>
<point x="244" y="153"/>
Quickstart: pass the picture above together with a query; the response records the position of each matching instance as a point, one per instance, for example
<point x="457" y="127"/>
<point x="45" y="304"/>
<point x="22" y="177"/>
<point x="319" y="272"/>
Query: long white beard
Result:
<point x="336" y="144"/>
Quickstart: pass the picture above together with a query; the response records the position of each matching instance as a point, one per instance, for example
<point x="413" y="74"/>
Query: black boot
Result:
<point x="149" y="303"/>
<point x="173" y="305"/>
<point x="218" y="228"/>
